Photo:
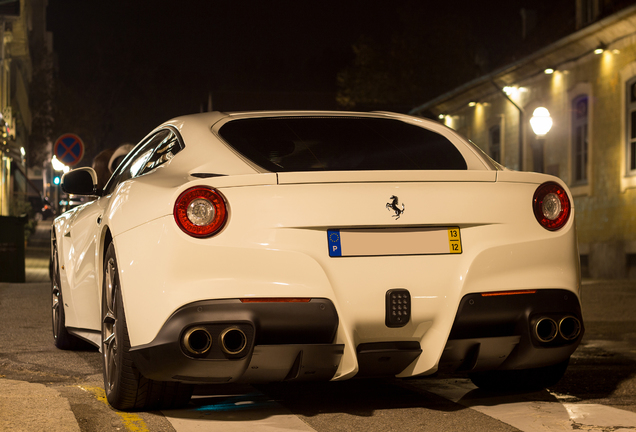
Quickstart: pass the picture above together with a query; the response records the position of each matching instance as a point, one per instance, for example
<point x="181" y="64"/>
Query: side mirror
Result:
<point x="80" y="181"/>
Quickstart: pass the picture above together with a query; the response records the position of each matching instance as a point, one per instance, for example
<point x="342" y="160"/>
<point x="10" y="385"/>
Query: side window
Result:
<point x="631" y="126"/>
<point x="494" y="138"/>
<point x="167" y="146"/>
<point x="158" y="149"/>
<point x="580" y="139"/>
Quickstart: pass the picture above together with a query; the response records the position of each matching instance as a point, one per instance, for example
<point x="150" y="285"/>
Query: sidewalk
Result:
<point x="29" y="407"/>
<point x="38" y="253"/>
<point x="26" y="406"/>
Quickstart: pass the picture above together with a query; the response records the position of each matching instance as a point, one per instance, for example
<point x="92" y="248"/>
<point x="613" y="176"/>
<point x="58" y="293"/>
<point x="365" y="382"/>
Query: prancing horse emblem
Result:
<point x="393" y="205"/>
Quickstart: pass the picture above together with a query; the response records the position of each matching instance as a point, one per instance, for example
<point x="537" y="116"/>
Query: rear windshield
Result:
<point x="284" y="144"/>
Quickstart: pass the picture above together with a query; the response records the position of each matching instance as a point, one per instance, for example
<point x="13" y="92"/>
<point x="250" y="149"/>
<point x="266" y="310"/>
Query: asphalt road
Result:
<point x="43" y="388"/>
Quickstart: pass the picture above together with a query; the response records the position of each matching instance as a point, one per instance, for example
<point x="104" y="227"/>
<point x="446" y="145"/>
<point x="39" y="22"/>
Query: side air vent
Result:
<point x="206" y="175"/>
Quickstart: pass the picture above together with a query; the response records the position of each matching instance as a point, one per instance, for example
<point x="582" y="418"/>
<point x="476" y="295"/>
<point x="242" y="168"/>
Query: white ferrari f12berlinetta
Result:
<point x="292" y="246"/>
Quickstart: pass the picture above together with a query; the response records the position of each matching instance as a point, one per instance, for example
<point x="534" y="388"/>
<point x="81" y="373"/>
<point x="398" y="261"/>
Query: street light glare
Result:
<point x="541" y="122"/>
<point x="59" y="166"/>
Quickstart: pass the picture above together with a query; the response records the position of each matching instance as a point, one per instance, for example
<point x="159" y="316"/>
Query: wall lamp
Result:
<point x="541" y="122"/>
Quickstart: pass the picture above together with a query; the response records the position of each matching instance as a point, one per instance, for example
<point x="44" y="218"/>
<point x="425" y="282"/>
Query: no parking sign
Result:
<point x="69" y="149"/>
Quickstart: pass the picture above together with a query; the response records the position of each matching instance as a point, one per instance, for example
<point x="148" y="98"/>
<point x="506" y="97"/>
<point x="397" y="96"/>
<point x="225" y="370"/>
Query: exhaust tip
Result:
<point x="569" y="328"/>
<point x="197" y="341"/>
<point x="546" y="329"/>
<point x="233" y="341"/>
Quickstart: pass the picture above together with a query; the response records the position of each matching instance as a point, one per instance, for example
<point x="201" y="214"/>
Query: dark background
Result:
<point x="123" y="67"/>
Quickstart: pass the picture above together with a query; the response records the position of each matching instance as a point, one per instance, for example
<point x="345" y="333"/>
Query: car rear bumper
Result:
<point x="280" y="341"/>
<point x="513" y="330"/>
<point x="294" y="262"/>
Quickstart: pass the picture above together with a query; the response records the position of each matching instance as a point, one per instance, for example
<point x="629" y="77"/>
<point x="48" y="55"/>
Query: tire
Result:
<point x="520" y="380"/>
<point x="61" y="337"/>
<point x="126" y="388"/>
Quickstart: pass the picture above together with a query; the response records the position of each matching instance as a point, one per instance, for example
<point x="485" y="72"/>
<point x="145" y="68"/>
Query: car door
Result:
<point x="80" y="242"/>
<point x="84" y="235"/>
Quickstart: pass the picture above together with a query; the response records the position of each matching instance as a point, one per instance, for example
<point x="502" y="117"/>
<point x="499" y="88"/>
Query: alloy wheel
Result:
<point x="109" y="326"/>
<point x="55" y="305"/>
<point x="55" y="297"/>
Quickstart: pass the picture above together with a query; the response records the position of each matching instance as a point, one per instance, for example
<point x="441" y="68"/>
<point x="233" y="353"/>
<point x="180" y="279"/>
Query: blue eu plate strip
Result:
<point x="335" y="249"/>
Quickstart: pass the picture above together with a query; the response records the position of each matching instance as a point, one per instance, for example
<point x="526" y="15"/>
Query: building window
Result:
<point x="580" y="139"/>
<point x="631" y="126"/>
<point x="588" y="11"/>
<point x="495" y="142"/>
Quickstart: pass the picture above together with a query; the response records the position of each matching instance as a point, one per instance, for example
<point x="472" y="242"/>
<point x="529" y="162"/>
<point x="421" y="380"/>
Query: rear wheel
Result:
<point x="126" y="388"/>
<point x="61" y="337"/>
<point x="520" y="380"/>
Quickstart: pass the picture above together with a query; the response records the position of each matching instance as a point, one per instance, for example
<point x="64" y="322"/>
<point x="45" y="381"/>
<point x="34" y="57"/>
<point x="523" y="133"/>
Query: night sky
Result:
<point x="134" y="64"/>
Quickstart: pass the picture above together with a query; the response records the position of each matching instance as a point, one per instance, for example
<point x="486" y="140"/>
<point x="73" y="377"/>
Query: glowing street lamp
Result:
<point x="56" y="178"/>
<point x="58" y="165"/>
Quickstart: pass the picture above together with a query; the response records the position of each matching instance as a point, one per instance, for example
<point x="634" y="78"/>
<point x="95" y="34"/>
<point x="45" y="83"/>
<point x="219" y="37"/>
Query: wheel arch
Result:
<point x="105" y="241"/>
<point x="57" y="247"/>
<point x="53" y="248"/>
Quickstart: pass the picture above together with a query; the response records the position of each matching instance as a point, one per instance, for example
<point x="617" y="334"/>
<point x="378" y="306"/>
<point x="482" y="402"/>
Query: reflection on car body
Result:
<point x="292" y="246"/>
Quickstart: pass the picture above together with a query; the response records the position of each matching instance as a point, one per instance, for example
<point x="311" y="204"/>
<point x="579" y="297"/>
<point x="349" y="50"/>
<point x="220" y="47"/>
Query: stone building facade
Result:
<point x="19" y="21"/>
<point x="587" y="81"/>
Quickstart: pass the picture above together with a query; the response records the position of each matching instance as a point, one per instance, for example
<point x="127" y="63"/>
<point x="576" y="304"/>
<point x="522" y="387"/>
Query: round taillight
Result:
<point x="551" y="206"/>
<point x="200" y="211"/>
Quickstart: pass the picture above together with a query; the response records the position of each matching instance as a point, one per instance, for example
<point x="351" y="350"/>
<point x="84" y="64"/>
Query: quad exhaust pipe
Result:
<point x="569" y="328"/>
<point x="233" y="341"/>
<point x="197" y="341"/>
<point x="547" y="329"/>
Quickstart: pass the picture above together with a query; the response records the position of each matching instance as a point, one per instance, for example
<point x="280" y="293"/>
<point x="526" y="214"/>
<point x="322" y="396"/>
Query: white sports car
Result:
<point x="292" y="246"/>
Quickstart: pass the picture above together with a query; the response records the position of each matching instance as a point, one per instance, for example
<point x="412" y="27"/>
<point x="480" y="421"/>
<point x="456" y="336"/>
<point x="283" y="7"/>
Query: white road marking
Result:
<point x="601" y="416"/>
<point x="540" y="411"/>
<point x="532" y="412"/>
<point x="254" y="412"/>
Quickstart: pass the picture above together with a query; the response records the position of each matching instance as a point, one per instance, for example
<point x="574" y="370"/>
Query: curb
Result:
<point x="34" y="407"/>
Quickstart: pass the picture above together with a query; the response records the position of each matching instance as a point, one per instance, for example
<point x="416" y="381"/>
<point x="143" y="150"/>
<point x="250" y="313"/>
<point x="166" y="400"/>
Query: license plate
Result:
<point x="394" y="241"/>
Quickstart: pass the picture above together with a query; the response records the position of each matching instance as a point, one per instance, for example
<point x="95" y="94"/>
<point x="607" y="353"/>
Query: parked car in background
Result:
<point x="294" y="246"/>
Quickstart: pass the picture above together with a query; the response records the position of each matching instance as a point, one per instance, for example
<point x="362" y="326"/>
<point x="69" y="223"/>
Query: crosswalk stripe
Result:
<point x="540" y="411"/>
<point x="532" y="412"/>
